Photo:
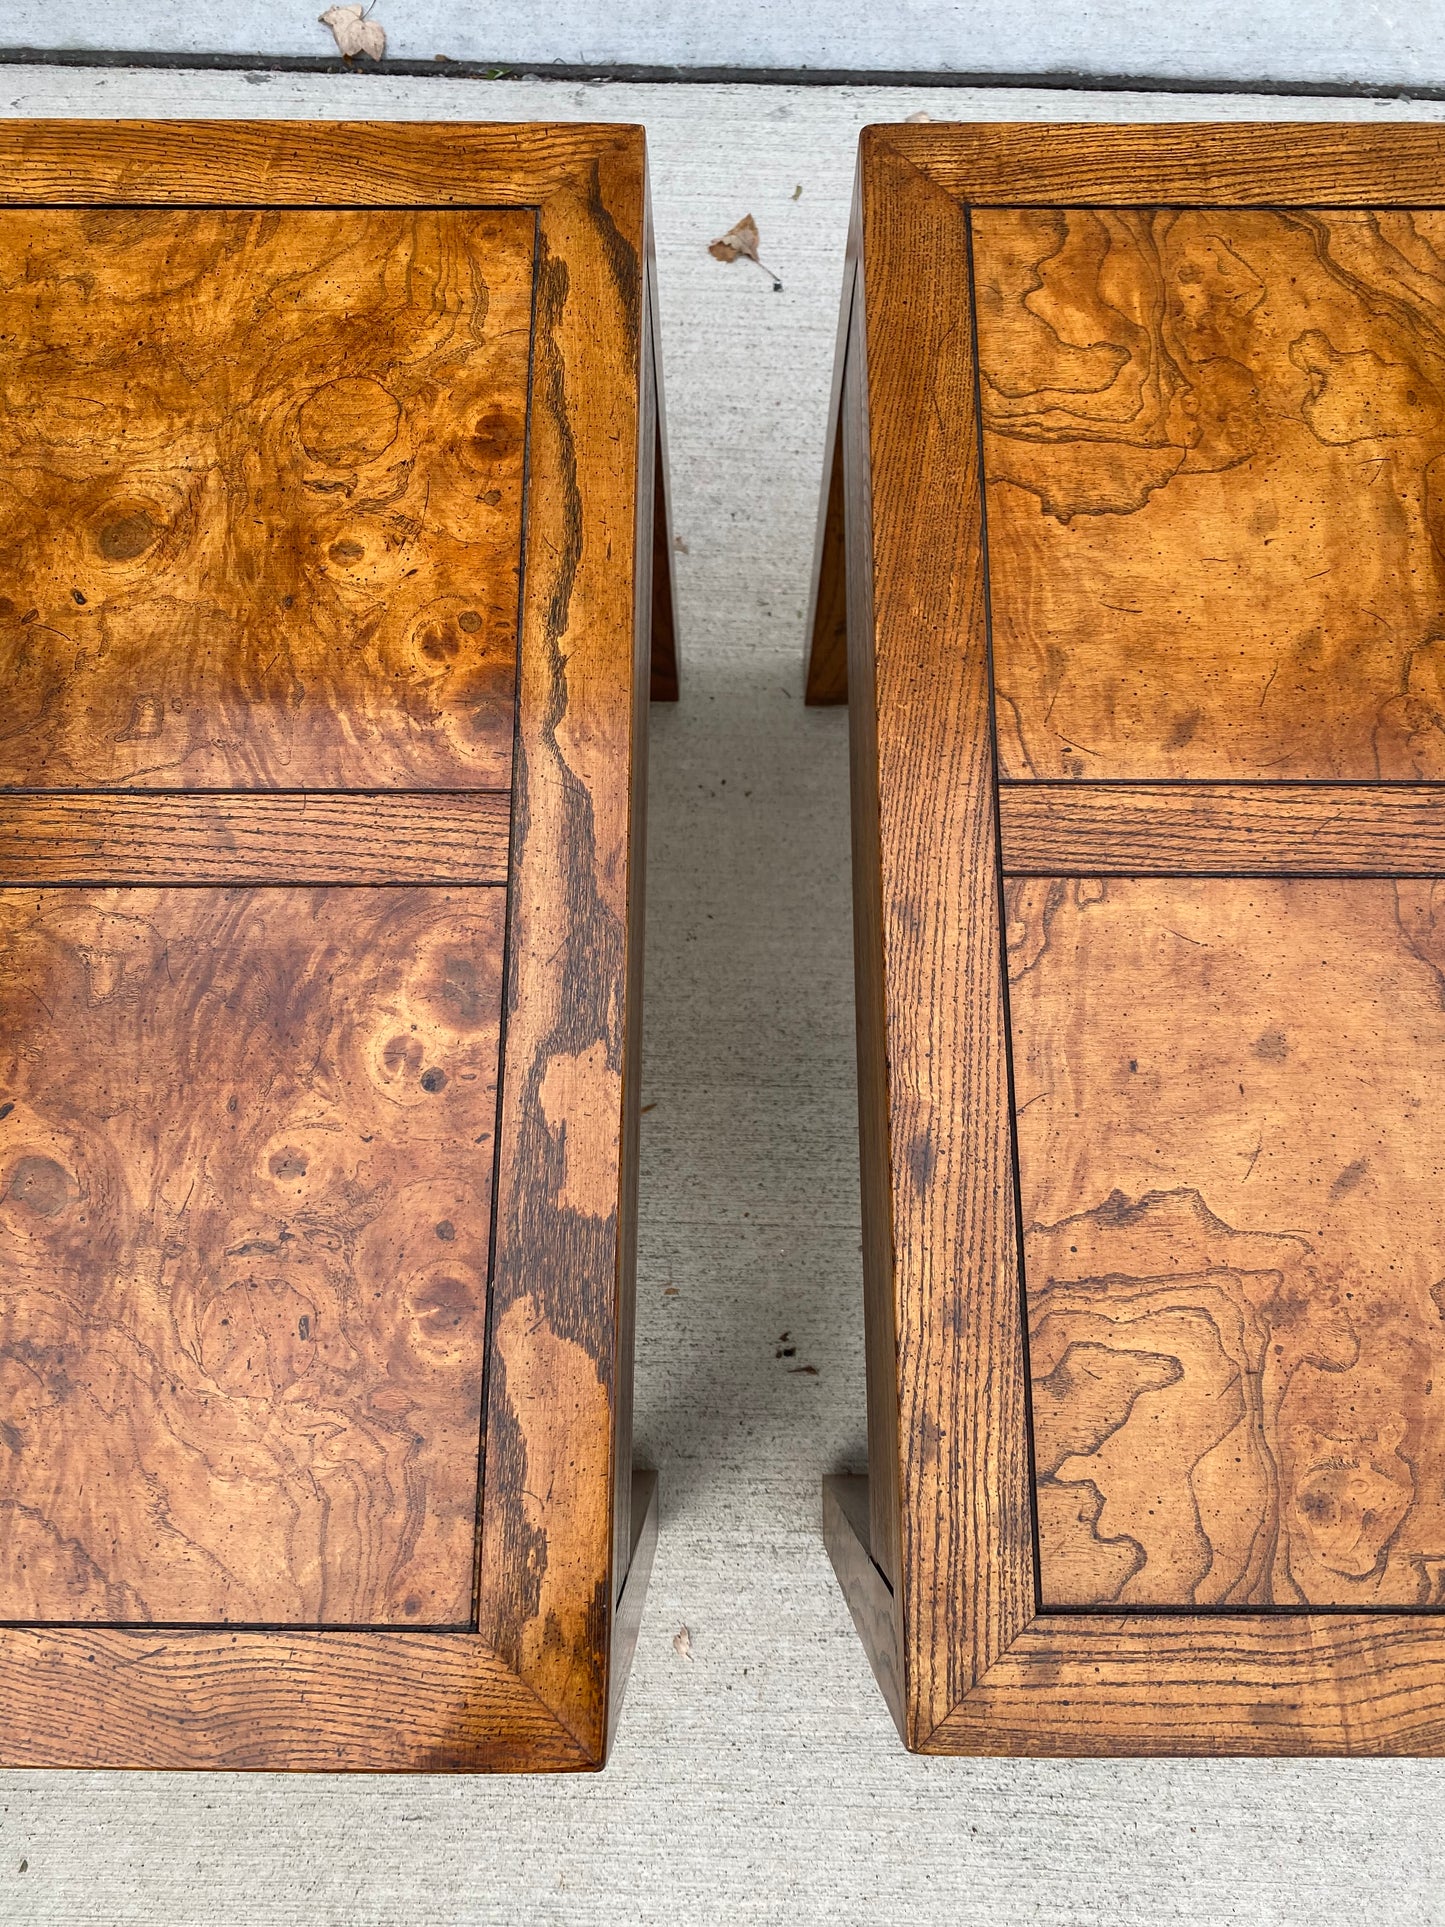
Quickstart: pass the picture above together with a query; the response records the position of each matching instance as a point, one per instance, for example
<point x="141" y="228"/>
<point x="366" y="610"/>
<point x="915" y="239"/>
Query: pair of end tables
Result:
<point x="336" y="580"/>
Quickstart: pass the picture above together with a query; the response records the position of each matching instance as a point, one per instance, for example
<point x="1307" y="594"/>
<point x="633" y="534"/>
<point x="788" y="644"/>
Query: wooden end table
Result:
<point x="1132" y="571"/>
<point x="335" y="569"/>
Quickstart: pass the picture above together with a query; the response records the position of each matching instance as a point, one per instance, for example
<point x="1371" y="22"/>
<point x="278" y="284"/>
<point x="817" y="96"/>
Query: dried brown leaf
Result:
<point x="354" y="33"/>
<point x="682" y="1644"/>
<point x="740" y="243"/>
<point x="740" y="240"/>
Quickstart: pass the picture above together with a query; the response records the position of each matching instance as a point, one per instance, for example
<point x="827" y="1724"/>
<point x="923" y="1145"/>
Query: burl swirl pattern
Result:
<point x="1215" y="489"/>
<point x="260" y="496"/>
<point x="245" y="1185"/>
<point x="1228" y="1113"/>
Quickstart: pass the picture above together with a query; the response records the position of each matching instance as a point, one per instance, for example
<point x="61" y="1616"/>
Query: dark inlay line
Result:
<point x="1035" y="1545"/>
<point x="209" y="1628"/>
<point x="1340" y="1611"/>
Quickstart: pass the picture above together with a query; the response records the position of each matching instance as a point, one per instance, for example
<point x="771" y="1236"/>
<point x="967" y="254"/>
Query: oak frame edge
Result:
<point x="965" y="1584"/>
<point x="1201" y="1685"/>
<point x="1187" y="163"/>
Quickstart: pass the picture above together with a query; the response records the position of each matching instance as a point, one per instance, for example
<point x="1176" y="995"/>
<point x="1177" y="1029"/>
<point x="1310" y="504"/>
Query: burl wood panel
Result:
<point x="260" y="495"/>
<point x="1230" y="1156"/>
<point x="246" y="1148"/>
<point x="1216" y="500"/>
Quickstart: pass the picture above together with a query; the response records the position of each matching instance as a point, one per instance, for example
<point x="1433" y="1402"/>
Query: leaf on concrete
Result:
<point x="740" y="239"/>
<point x="682" y="1644"/>
<point x="354" y="33"/>
<point x="740" y="243"/>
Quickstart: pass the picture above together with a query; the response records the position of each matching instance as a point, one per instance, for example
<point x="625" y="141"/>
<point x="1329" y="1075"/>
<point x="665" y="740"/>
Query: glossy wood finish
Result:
<point x="242" y="1340"/>
<point x="295" y="440"/>
<point x="480" y="265"/>
<point x="1228" y="1398"/>
<point x="1228" y="1130"/>
<point x="1164" y="603"/>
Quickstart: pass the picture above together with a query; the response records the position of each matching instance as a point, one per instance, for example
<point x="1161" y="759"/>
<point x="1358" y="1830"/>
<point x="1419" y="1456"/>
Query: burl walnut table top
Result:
<point x="1133" y="573"/>
<point x="328" y="520"/>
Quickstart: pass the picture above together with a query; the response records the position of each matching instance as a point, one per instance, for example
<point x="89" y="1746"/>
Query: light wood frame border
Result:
<point x="566" y="1530"/>
<point x="934" y="1550"/>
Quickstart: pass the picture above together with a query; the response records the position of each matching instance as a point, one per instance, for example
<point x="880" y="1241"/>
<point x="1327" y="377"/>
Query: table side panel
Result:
<point x="880" y="1318"/>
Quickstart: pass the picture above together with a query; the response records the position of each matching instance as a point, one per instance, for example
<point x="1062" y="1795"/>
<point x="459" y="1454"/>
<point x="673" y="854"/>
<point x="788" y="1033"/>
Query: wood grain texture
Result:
<point x="257" y="838"/>
<point x="1183" y="164"/>
<point x="273" y="1702"/>
<point x="1213" y="443"/>
<point x="534" y="1689"/>
<point x="1290" y="1683"/>
<point x="1227" y="1128"/>
<point x="260" y="521"/>
<point x="564" y="1183"/>
<point x="965" y="1580"/>
<point x="1222" y="829"/>
<point x="245" y="1165"/>
<point x="304" y="163"/>
<point x="1234" y="1344"/>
